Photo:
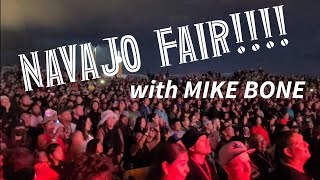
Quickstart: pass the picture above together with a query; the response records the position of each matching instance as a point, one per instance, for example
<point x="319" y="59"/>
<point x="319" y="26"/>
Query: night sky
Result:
<point x="38" y="25"/>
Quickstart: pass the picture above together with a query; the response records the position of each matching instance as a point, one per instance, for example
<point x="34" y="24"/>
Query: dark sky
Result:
<point x="38" y="25"/>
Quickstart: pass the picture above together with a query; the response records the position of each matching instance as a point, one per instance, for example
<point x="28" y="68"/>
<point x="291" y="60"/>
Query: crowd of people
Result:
<point x="94" y="130"/>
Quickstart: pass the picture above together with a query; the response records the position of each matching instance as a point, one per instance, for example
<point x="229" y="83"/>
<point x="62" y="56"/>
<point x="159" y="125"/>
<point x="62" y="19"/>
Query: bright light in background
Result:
<point x="311" y="90"/>
<point x="102" y="81"/>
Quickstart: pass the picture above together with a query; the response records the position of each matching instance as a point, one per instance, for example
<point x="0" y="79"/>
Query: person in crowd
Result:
<point x="174" y="112"/>
<point x="24" y="107"/>
<point x="134" y="113"/>
<point x="82" y="135"/>
<point x="261" y="158"/>
<point x="94" y="115"/>
<point x="198" y="146"/>
<point x="140" y="125"/>
<point x="142" y="151"/>
<point x="175" y="125"/>
<point x="56" y="157"/>
<point x="65" y="123"/>
<point x="161" y="112"/>
<point x="185" y="124"/>
<point x="258" y="128"/>
<point x="77" y="112"/>
<point x="111" y="136"/>
<point x="36" y="118"/>
<point x="49" y="136"/>
<point x="171" y="164"/>
<point x="313" y="164"/>
<point x="94" y="146"/>
<point x="93" y="167"/>
<point x="123" y="124"/>
<point x="227" y="132"/>
<point x="293" y="152"/>
<point x="19" y="137"/>
<point x="18" y="164"/>
<point x="235" y="160"/>
<point x="43" y="171"/>
<point x="145" y="109"/>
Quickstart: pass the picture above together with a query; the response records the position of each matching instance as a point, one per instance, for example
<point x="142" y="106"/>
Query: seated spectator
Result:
<point x="175" y="125"/>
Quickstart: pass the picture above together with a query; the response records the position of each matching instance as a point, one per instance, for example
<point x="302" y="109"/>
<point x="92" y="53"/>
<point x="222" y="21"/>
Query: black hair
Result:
<point x="92" y="146"/>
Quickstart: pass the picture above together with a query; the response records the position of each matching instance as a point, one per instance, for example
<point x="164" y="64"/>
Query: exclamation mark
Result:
<point x="266" y="25"/>
<point x="281" y="24"/>
<point x="252" y="28"/>
<point x="237" y="29"/>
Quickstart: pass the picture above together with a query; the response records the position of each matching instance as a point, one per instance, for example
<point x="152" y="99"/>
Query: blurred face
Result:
<point x="262" y="146"/>
<point x="88" y="124"/>
<point x="36" y="110"/>
<point x="122" y="105"/>
<point x="49" y="126"/>
<point x="160" y="106"/>
<point x="125" y="120"/>
<point x="209" y="125"/>
<point x="135" y="106"/>
<point x="147" y="101"/>
<point x="66" y="116"/>
<point x="99" y="148"/>
<point x="156" y="119"/>
<point x="202" y="146"/>
<point x="110" y="122"/>
<point x="138" y="136"/>
<point x="179" y="168"/>
<point x="79" y="100"/>
<point x="186" y="122"/>
<point x="259" y="122"/>
<point x="26" y="119"/>
<point x="177" y="126"/>
<point x="229" y="132"/>
<point x="239" y="167"/>
<point x="95" y="106"/>
<point x="58" y="154"/>
<point x="143" y="123"/>
<point x="5" y="102"/>
<point x="298" y="149"/>
<point x="26" y="101"/>
<point x="43" y="157"/>
<point x="79" y="111"/>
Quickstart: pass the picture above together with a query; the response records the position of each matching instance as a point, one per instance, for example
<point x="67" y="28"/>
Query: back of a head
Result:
<point x="18" y="164"/>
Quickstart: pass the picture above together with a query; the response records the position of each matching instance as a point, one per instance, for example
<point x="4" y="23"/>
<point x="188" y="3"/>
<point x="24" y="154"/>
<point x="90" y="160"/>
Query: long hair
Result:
<point x="81" y="126"/>
<point x="50" y="150"/>
<point x="169" y="152"/>
<point x="138" y="124"/>
<point x="92" y="146"/>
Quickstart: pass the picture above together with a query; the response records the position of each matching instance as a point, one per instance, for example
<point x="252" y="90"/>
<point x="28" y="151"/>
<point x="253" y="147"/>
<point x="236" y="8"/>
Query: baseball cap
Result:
<point x="190" y="138"/>
<point x="105" y="115"/>
<point x="231" y="150"/>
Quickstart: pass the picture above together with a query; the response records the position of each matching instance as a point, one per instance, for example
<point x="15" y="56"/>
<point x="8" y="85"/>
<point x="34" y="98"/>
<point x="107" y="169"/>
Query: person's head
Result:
<point x="25" y="100"/>
<point x="186" y="122"/>
<point x="55" y="153"/>
<point x="146" y="101"/>
<point x="196" y="142"/>
<point x="36" y="110"/>
<point x="258" y="142"/>
<point x="216" y="124"/>
<point x="65" y="115"/>
<point x="79" y="100"/>
<point x="173" y="162"/>
<point x="78" y="110"/>
<point x="48" y="125"/>
<point x="124" y="119"/>
<point x="155" y="118"/>
<point x="95" y="105"/>
<point x="293" y="126"/>
<point x="234" y="159"/>
<point x="140" y="123"/>
<point x="18" y="132"/>
<point x="18" y="164"/>
<point x="227" y="131"/>
<point x="258" y="121"/>
<point x="108" y="119"/>
<point x="5" y="101"/>
<point x="138" y="135"/>
<point x="84" y="124"/>
<point x="291" y="148"/>
<point x="159" y="106"/>
<point x="134" y="106"/>
<point x="26" y="118"/>
<point x="207" y="125"/>
<point x="175" y="124"/>
<point x="94" y="146"/>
